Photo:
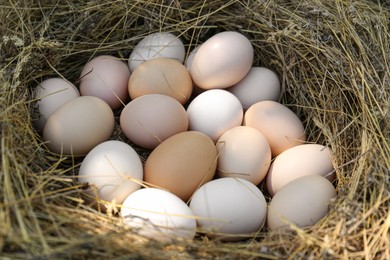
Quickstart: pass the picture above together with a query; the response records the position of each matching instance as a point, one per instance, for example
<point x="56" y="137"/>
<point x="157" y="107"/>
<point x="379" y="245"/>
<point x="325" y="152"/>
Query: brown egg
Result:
<point x="182" y="163"/>
<point x="282" y="128"/>
<point x="78" y="126"/>
<point x="161" y="76"/>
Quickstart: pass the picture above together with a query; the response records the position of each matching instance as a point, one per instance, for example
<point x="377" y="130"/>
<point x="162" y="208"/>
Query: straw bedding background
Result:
<point x="333" y="59"/>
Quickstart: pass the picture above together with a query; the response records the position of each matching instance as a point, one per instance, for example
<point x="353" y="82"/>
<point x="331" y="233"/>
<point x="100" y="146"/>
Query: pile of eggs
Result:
<point x="215" y="132"/>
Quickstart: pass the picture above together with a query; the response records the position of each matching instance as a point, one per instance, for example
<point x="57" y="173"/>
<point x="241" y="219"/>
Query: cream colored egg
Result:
<point x="157" y="45"/>
<point x="161" y="76"/>
<point x="222" y="61"/>
<point x="106" y="77"/>
<point x="259" y="84"/>
<point x="150" y="119"/>
<point x="282" y="128"/>
<point x="229" y="208"/>
<point x="158" y="214"/>
<point x="302" y="202"/>
<point x="299" y="161"/>
<point x="112" y="170"/>
<point x="51" y="94"/>
<point x="243" y="152"/>
<point x="182" y="163"/>
<point x="78" y="126"/>
<point x="213" y="112"/>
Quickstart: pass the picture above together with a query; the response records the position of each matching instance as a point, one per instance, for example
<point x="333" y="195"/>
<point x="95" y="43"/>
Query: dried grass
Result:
<point x="334" y="61"/>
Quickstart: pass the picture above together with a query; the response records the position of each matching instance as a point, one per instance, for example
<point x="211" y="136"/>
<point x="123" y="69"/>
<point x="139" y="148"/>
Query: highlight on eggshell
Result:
<point x="213" y="112"/>
<point x="106" y="77"/>
<point x="158" y="214"/>
<point x="157" y="45"/>
<point x="222" y="60"/>
<point x="112" y="170"/>
<point x="150" y="119"/>
<point x="51" y="94"/>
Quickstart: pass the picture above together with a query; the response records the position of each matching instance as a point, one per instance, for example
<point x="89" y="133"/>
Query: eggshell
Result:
<point x="258" y="85"/>
<point x="161" y="76"/>
<point x="113" y="171"/>
<point x="105" y="77"/>
<point x="51" y="94"/>
<point x="150" y="119"/>
<point x="229" y="208"/>
<point x="299" y="161"/>
<point x="158" y="214"/>
<point x="303" y="202"/>
<point x="222" y="61"/>
<point x="182" y="163"/>
<point x="78" y="126"/>
<point x="213" y="112"/>
<point x="282" y="128"/>
<point x="157" y="45"/>
<point x="245" y="153"/>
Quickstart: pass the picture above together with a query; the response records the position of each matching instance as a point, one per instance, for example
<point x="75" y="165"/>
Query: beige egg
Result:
<point x="150" y="119"/>
<point x="282" y="128"/>
<point x="78" y="126"/>
<point x="299" y="161"/>
<point x="302" y="202"/>
<point x="113" y="170"/>
<point x="243" y="152"/>
<point x="259" y="84"/>
<point x="106" y="77"/>
<point x="161" y="76"/>
<point x="51" y="94"/>
<point x="222" y="61"/>
<point x="182" y="163"/>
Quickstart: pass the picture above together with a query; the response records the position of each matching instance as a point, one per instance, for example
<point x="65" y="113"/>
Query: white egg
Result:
<point x="113" y="170"/>
<point x="213" y="112"/>
<point x="259" y="84"/>
<point x="51" y="94"/>
<point x="229" y="208"/>
<point x="157" y="45"/>
<point x="158" y="214"/>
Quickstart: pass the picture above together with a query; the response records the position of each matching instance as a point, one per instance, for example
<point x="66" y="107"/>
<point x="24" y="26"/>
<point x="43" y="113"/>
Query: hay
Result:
<point x="332" y="57"/>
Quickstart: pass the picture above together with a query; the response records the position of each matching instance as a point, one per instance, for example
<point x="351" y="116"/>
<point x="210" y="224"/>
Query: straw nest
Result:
<point x="333" y="61"/>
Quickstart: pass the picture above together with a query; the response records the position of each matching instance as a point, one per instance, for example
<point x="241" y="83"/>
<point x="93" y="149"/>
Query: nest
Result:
<point x="333" y="59"/>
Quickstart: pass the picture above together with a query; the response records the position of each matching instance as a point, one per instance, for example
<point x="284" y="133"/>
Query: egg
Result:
<point x="299" y="161"/>
<point x="190" y="58"/>
<point x="222" y="60"/>
<point x="157" y="45"/>
<point x="150" y="119"/>
<point x="258" y="85"/>
<point x="245" y="153"/>
<point x="158" y="214"/>
<point x="78" y="126"/>
<point x="213" y="112"/>
<point x="182" y="163"/>
<point x="51" y="94"/>
<point x="105" y="77"/>
<point x="302" y="202"/>
<point x="229" y="208"/>
<point x="282" y="128"/>
<point x="161" y="76"/>
<point x="113" y="170"/>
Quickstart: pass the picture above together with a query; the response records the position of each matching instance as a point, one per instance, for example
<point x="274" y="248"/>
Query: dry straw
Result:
<point x="332" y="58"/>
